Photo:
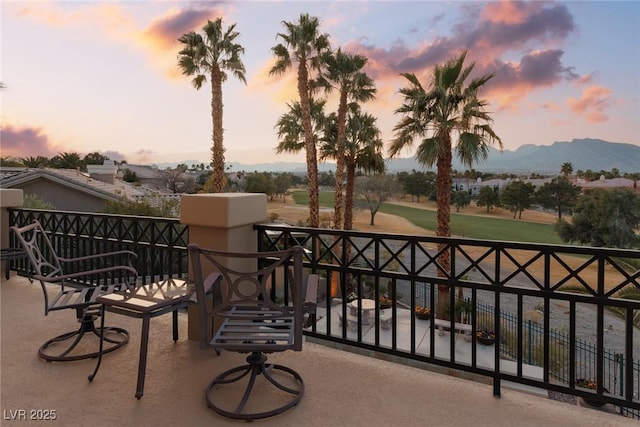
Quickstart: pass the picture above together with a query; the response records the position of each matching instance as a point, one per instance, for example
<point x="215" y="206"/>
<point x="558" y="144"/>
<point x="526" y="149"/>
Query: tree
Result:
<point x="9" y="162"/>
<point x="373" y="191"/>
<point x="602" y="217"/>
<point x="129" y="176"/>
<point x="34" y="162"/>
<point x="589" y="175"/>
<point x="418" y="184"/>
<point x="362" y="150"/>
<point x="290" y="128"/>
<point x="261" y="183"/>
<point x="212" y="55"/>
<point x="566" y="169"/>
<point x="94" y="158"/>
<point x="460" y="199"/>
<point x="517" y="196"/>
<point x="67" y="161"/>
<point x="178" y="181"/>
<point x="33" y="201"/>
<point x="303" y="43"/>
<point x="163" y="208"/>
<point x="282" y="184"/>
<point x="558" y="194"/>
<point x="432" y="116"/>
<point x="344" y="74"/>
<point x="488" y="197"/>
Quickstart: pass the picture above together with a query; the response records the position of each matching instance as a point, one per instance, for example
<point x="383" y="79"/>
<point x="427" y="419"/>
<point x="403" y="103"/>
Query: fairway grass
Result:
<point x="466" y="226"/>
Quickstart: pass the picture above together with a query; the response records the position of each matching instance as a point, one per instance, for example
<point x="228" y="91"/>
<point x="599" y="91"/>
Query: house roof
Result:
<point x="608" y="183"/>
<point x="17" y="177"/>
<point x="142" y="171"/>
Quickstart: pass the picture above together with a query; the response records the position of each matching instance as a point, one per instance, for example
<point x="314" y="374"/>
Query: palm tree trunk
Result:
<point x="443" y="185"/>
<point x="342" y="120"/>
<point x="310" y="146"/>
<point x="217" y="150"/>
<point x="348" y="198"/>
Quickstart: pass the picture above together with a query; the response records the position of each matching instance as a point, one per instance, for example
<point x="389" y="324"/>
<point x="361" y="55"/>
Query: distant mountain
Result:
<point x="583" y="154"/>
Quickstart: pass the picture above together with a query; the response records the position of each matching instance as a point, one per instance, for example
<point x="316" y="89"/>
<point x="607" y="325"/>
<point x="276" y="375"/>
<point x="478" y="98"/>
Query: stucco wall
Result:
<point x="64" y="198"/>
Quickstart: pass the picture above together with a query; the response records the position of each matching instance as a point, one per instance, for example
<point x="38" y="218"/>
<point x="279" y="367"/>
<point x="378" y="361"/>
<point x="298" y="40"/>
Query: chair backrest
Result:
<point x="36" y="243"/>
<point x="245" y="280"/>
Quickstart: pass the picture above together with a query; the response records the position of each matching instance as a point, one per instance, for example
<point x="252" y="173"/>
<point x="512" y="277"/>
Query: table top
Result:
<point x="150" y="297"/>
<point x="367" y="304"/>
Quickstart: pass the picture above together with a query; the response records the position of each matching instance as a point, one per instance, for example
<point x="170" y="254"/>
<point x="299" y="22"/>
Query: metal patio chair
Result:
<point x="252" y="322"/>
<point x="77" y="283"/>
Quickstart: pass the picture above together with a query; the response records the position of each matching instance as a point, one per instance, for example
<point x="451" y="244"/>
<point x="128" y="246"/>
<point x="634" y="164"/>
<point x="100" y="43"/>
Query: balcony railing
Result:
<point x="571" y="290"/>
<point x="160" y="243"/>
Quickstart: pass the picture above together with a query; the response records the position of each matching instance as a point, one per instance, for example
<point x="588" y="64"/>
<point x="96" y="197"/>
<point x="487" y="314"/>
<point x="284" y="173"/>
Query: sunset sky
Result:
<point x="88" y="76"/>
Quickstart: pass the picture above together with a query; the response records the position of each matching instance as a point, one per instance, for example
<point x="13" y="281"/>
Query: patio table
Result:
<point x="146" y="302"/>
<point x="368" y="306"/>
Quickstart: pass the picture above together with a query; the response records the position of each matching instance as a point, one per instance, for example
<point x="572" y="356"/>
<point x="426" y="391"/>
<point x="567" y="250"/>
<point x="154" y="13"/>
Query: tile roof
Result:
<point x="12" y="177"/>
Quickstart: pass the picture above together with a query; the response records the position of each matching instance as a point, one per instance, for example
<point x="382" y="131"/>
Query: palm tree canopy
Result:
<point x="566" y="169"/>
<point x="301" y="43"/>
<point x="432" y="115"/>
<point x="217" y="52"/>
<point x="344" y="73"/>
<point x="290" y="129"/>
<point x="363" y="143"/>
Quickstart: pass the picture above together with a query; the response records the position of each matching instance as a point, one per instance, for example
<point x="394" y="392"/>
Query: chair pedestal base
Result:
<point x="86" y="326"/>
<point x="256" y="366"/>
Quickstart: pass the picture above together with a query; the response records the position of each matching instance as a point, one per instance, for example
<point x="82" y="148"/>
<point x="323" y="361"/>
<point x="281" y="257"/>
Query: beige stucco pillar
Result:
<point x="9" y="198"/>
<point x="221" y="221"/>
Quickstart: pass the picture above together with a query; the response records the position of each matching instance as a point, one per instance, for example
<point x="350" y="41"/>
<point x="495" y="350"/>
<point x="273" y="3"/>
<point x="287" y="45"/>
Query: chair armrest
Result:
<point x="209" y="281"/>
<point x="99" y="255"/>
<point x="87" y="273"/>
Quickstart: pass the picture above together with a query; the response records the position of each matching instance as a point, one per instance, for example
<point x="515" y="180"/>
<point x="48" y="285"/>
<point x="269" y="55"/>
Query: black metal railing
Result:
<point x="160" y="243"/>
<point x="571" y="288"/>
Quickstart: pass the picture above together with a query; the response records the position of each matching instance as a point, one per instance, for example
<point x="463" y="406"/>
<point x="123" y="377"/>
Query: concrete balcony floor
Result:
<point x="341" y="388"/>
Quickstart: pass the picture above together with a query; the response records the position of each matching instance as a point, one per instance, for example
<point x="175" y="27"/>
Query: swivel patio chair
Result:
<point x="76" y="282"/>
<point x="252" y="322"/>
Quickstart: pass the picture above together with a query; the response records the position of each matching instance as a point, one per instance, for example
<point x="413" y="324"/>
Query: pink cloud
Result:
<point x="160" y="37"/>
<point x="143" y="156"/>
<point x="26" y="142"/>
<point x="592" y="105"/>
<point x="489" y="32"/>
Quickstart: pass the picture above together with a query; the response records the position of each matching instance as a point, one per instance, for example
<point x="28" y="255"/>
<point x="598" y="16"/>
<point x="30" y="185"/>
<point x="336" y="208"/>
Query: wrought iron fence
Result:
<point x="510" y="277"/>
<point x="160" y="243"/>
<point x="564" y="284"/>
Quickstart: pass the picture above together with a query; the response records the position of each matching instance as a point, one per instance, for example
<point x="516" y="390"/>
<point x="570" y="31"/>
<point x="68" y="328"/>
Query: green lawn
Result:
<point x="470" y="226"/>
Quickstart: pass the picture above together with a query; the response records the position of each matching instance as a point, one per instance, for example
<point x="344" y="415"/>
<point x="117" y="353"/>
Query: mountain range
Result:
<point x="583" y="154"/>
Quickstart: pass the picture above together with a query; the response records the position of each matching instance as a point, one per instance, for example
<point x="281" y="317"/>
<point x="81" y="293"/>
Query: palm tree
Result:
<point x="290" y="128"/>
<point x="344" y="74"/>
<point x="362" y="150"/>
<point x="566" y="169"/>
<point x="432" y="116"/>
<point x="303" y="43"/>
<point x="67" y="161"/>
<point x="34" y="162"/>
<point x="212" y="55"/>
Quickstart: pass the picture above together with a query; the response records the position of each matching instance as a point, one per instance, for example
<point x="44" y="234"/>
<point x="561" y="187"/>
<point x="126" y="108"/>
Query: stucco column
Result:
<point x="9" y="198"/>
<point x="221" y="221"/>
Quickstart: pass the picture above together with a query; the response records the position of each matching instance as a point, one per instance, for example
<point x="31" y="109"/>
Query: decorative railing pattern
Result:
<point x="160" y="243"/>
<point x="567" y="283"/>
<point x="562" y="283"/>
